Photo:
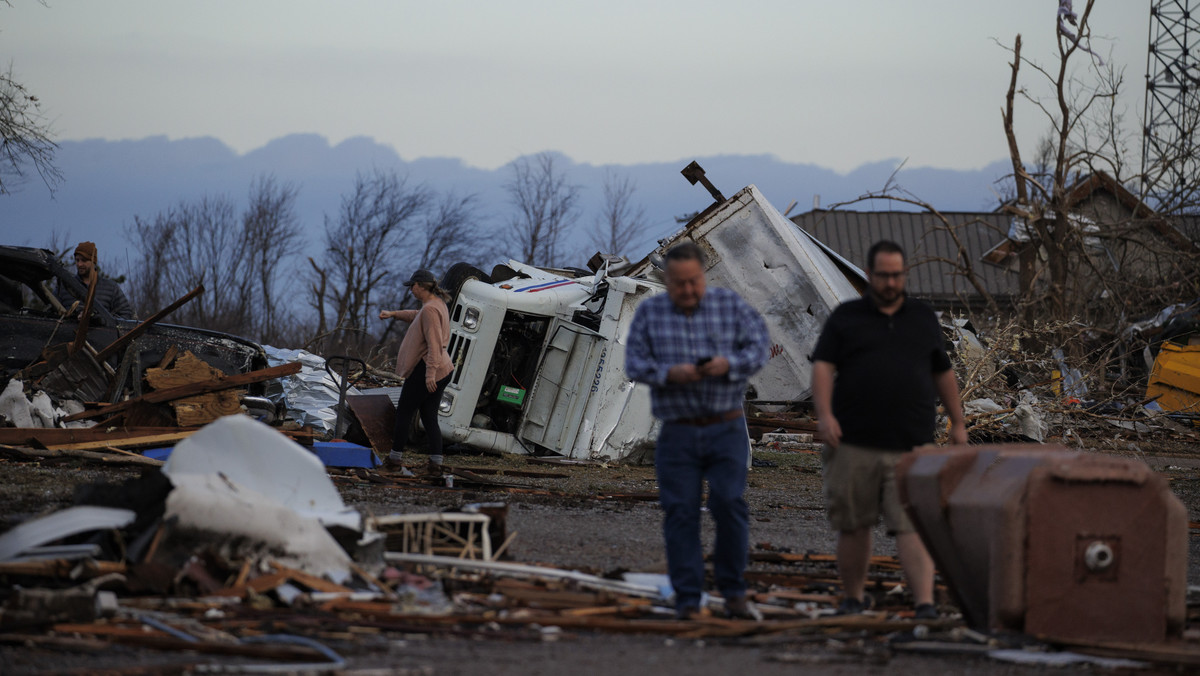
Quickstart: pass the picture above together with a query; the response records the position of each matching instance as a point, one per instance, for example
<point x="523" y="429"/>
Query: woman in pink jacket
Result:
<point x="425" y="366"/>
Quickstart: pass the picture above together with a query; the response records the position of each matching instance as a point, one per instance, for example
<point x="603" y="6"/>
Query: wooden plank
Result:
<point x="86" y="316"/>
<point x="205" y="408"/>
<point x="61" y="568"/>
<point x="169" y="356"/>
<point x="311" y="581"/>
<point x="137" y="635"/>
<point x="1175" y="653"/>
<point x="264" y="583"/>
<point x="282" y="575"/>
<point x="47" y="437"/>
<point x="193" y="389"/>
<point x="33" y="455"/>
<point x="188" y="369"/>
<point x="127" y="442"/>
<point x="550" y="599"/>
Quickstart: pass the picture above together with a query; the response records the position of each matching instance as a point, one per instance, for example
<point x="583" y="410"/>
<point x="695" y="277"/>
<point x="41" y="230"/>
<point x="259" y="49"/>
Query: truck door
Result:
<point x="559" y="394"/>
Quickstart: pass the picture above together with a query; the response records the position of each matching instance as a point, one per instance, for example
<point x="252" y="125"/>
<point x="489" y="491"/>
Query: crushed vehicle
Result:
<point x="539" y="354"/>
<point x="538" y="362"/>
<point x="32" y="319"/>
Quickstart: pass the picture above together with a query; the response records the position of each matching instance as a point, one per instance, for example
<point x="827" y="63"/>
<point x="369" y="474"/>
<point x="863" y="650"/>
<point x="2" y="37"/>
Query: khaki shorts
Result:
<point x="860" y="484"/>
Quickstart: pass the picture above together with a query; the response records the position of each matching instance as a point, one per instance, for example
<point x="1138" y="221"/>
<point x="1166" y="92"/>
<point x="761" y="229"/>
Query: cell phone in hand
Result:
<point x="703" y="360"/>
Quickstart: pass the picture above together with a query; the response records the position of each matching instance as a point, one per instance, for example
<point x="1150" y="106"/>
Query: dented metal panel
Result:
<point x="617" y="422"/>
<point x="792" y="280"/>
<point x="1175" y="379"/>
<point x="1050" y="541"/>
<point x="557" y="399"/>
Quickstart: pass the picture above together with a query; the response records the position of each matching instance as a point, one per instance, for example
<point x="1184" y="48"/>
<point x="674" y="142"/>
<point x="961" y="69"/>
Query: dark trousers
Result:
<point x="414" y="398"/>
<point x="685" y="457"/>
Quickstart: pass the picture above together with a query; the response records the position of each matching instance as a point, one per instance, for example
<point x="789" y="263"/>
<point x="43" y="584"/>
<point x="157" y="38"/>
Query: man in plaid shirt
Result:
<point x="696" y="348"/>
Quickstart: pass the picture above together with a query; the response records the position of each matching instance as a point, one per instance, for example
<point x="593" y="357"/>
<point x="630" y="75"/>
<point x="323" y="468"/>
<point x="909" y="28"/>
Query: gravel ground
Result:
<point x="574" y="529"/>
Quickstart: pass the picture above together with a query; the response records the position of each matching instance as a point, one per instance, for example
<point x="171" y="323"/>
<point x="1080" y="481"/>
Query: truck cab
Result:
<point x="539" y="364"/>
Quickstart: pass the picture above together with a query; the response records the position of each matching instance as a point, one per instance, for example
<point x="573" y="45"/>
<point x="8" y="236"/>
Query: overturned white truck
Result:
<point x="539" y="354"/>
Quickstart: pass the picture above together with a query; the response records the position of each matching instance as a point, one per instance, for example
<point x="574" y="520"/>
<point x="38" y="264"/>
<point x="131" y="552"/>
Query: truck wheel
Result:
<point x="457" y="275"/>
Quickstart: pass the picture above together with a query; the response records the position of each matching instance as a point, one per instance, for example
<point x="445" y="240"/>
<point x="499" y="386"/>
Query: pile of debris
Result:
<point x="226" y="557"/>
<point x="1023" y="385"/>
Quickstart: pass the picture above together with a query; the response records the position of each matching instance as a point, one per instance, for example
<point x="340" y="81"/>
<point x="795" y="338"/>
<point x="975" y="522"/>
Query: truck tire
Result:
<point x="457" y="275"/>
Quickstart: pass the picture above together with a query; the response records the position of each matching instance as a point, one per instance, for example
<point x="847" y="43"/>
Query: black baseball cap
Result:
<point x="421" y="277"/>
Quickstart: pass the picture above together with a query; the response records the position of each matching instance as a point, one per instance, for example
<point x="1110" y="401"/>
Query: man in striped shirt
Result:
<point x="696" y="348"/>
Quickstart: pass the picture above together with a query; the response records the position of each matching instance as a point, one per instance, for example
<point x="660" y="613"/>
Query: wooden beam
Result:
<point x="32" y="455"/>
<point x="191" y="390"/>
<point x="57" y="436"/>
<point x="128" y="442"/>
<point x="85" y="316"/>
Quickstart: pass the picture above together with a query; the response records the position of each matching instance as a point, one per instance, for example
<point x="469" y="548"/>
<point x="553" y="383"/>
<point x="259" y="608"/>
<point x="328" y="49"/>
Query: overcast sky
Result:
<point x="837" y="84"/>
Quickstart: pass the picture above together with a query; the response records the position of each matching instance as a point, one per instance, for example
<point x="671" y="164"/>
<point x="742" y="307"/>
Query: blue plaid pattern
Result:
<point x="661" y="336"/>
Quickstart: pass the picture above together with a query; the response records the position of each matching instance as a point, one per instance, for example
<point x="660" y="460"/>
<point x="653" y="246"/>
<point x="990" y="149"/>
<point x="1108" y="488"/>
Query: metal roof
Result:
<point x="929" y="248"/>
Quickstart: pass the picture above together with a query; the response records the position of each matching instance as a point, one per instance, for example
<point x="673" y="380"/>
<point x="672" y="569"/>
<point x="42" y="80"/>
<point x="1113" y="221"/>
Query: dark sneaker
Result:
<point x="852" y="606"/>
<point x="925" y="611"/>
<point x="740" y="608"/>
<point x="687" y="612"/>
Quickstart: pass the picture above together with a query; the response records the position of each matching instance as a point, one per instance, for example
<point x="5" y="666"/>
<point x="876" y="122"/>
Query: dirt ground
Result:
<point x="575" y="527"/>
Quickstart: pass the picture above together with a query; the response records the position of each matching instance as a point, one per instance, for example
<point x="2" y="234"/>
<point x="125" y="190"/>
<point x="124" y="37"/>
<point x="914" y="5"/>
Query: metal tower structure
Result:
<point x="1170" y="145"/>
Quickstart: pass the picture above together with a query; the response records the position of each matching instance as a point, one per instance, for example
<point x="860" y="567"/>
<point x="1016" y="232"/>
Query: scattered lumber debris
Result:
<point x="172" y="584"/>
<point x="190" y="390"/>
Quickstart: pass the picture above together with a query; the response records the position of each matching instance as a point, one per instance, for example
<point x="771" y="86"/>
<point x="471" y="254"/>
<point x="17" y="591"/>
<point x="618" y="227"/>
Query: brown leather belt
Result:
<point x="701" y="421"/>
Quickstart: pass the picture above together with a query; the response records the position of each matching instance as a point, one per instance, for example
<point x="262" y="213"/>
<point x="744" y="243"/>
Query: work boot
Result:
<point x="740" y="608"/>
<point x="687" y="612"/>
<point x="853" y="606"/>
<point x="434" y="469"/>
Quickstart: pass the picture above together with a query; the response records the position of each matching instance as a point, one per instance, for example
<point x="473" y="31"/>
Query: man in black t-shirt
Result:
<point x="889" y="358"/>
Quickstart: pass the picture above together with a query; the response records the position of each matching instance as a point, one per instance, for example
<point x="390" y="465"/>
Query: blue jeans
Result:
<point x="686" y="455"/>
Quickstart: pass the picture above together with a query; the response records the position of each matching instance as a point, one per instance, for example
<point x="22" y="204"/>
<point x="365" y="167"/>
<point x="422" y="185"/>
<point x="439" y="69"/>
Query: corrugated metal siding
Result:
<point x="929" y="247"/>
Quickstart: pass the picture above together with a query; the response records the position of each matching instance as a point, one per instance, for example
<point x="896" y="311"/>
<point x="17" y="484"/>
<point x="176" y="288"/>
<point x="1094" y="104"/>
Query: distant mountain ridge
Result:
<point x="107" y="183"/>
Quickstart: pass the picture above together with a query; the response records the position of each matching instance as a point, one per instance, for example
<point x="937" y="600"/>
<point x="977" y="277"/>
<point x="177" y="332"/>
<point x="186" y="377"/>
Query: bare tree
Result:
<point x="1107" y="261"/>
<point x="240" y="259"/>
<point x="363" y="253"/>
<point x="546" y="207"/>
<point x="963" y="265"/>
<point x="450" y="230"/>
<point x="272" y="238"/>
<point x="188" y="245"/>
<point x="621" y="223"/>
<point x="25" y="137"/>
<point x="449" y="234"/>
